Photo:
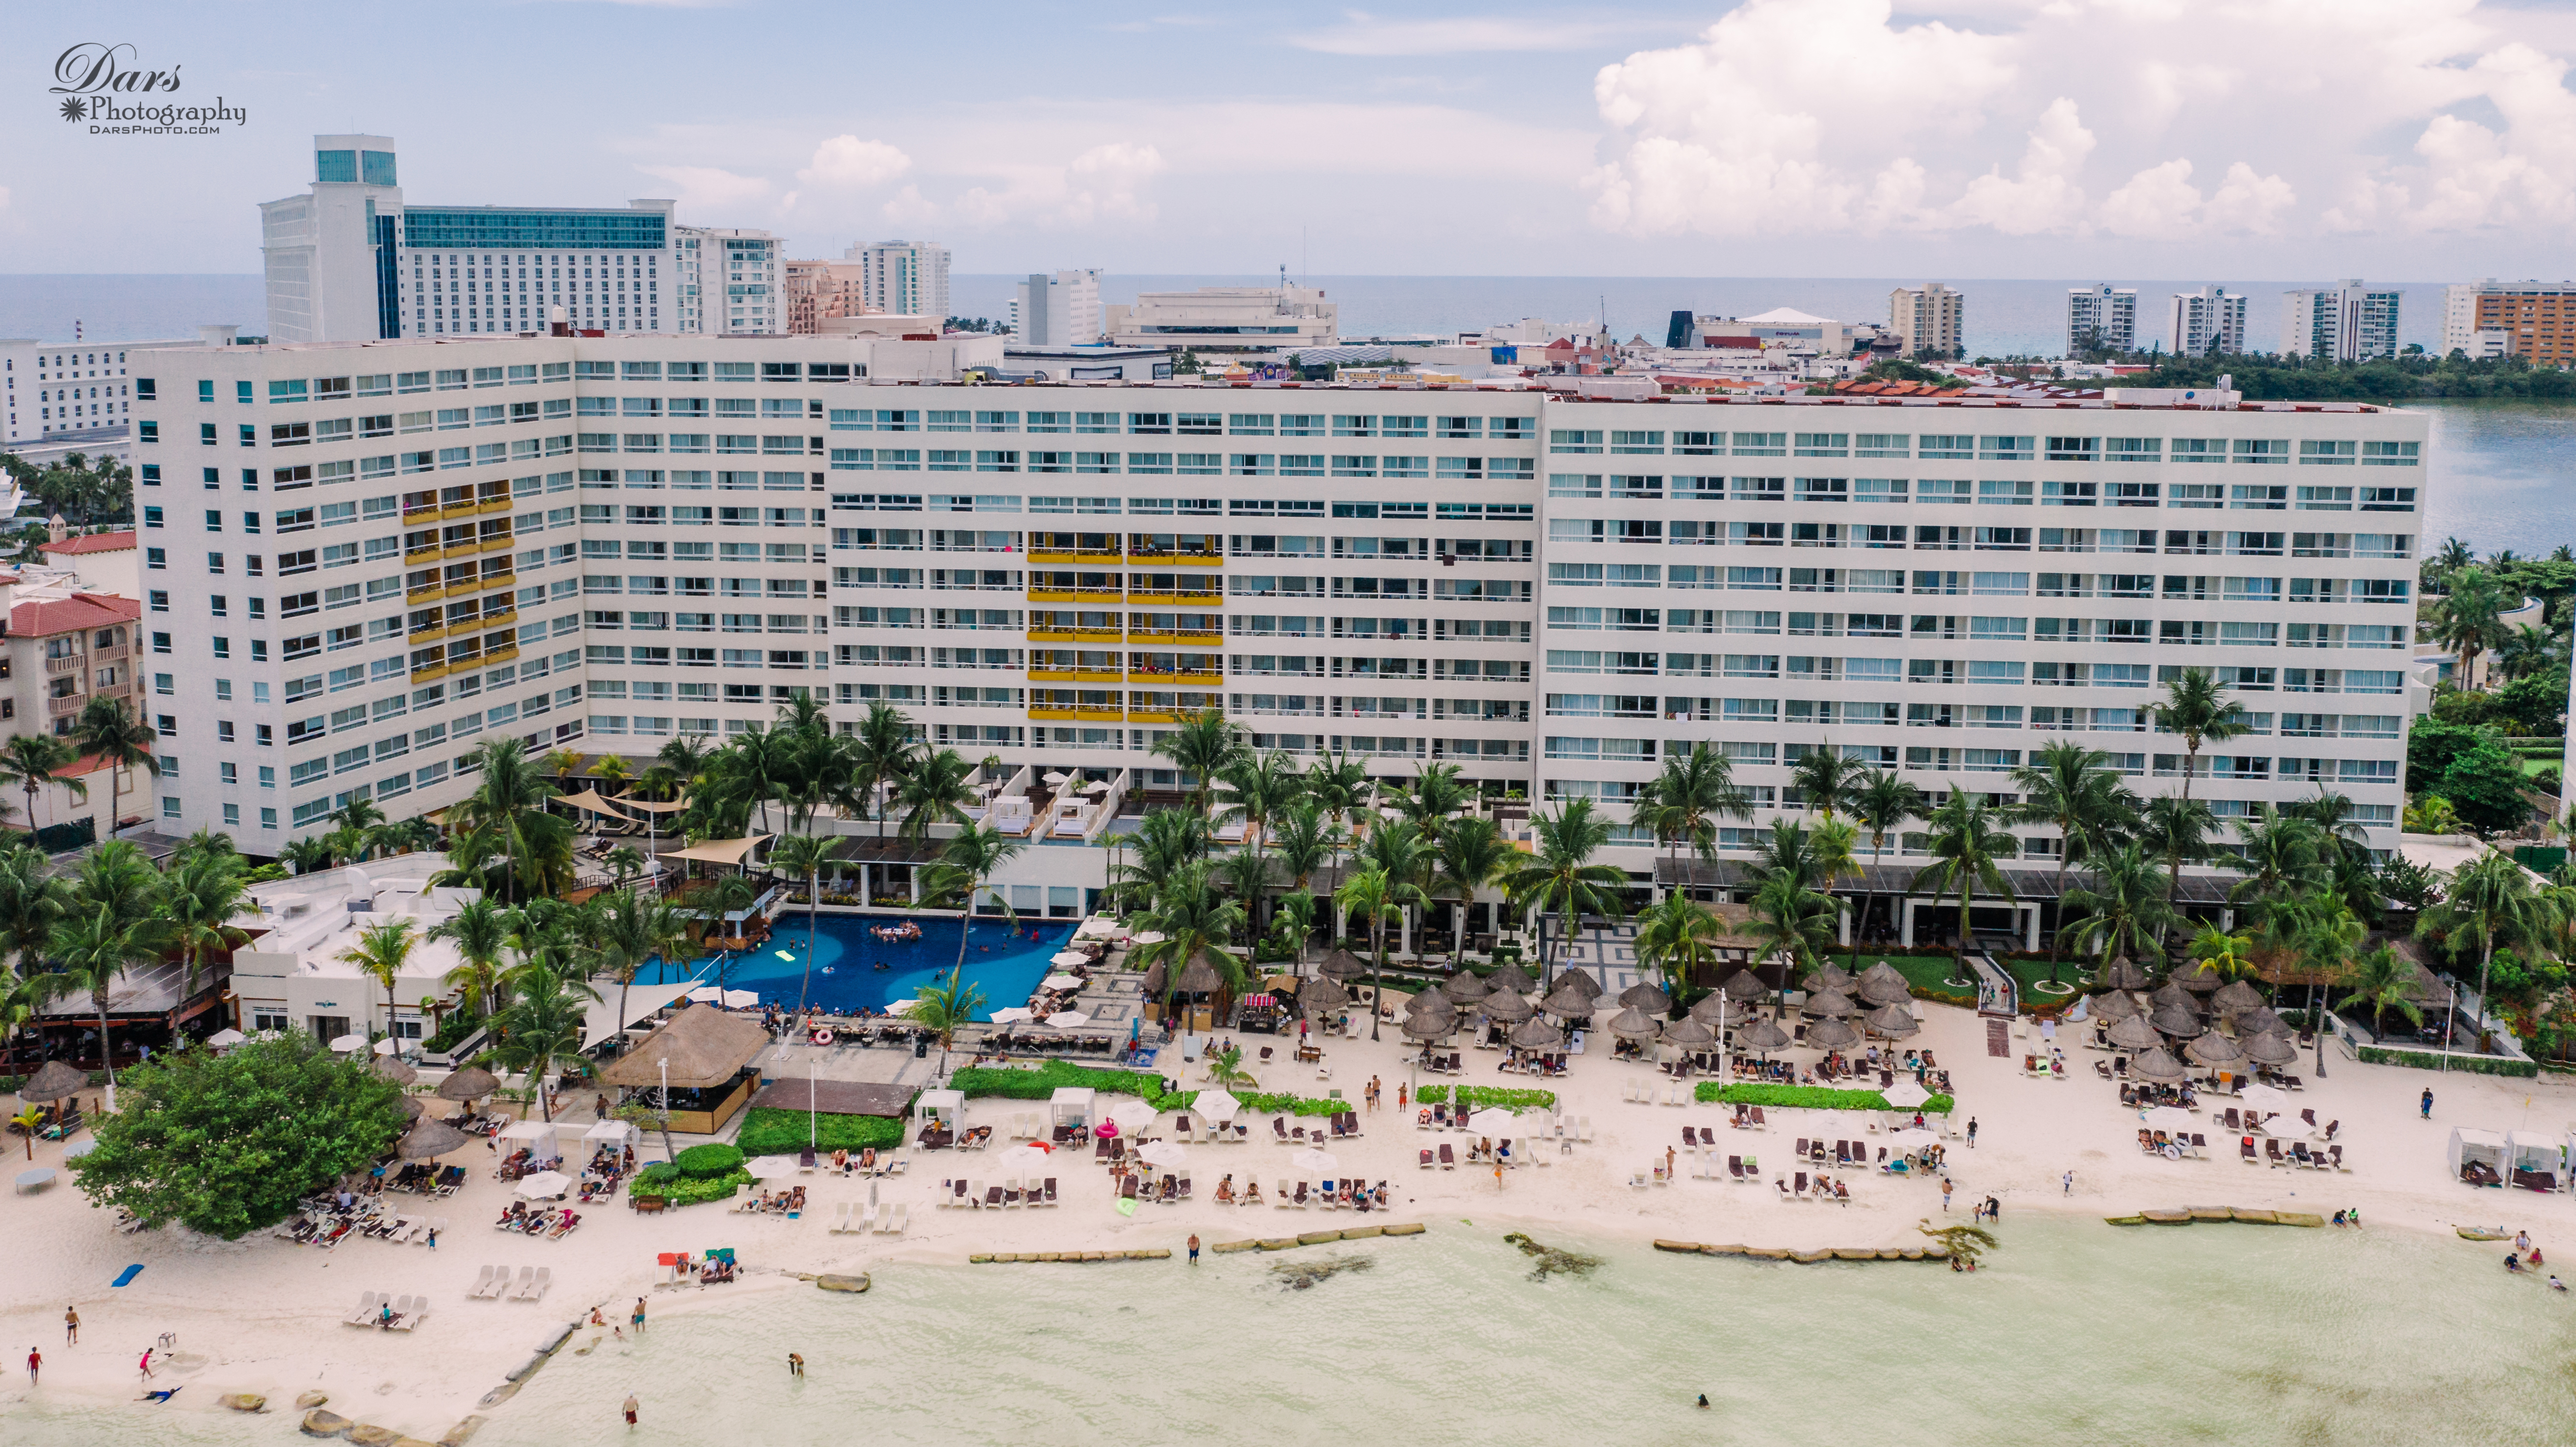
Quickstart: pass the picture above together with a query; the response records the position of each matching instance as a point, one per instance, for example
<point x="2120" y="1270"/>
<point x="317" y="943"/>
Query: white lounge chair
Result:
<point x="369" y="1303"/>
<point x="482" y="1283"/>
<point x="519" y="1289"/>
<point x="895" y="1217"/>
<point x="536" y="1290"/>
<point x="866" y="1220"/>
<point x="408" y="1312"/>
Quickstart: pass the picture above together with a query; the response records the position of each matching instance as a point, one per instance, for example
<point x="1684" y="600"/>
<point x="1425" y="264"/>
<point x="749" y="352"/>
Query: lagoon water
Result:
<point x="2075" y="1332"/>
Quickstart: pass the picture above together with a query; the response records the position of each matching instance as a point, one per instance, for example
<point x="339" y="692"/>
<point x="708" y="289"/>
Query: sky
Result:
<point x="1993" y="138"/>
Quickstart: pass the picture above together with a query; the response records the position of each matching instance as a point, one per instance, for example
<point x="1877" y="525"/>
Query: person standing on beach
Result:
<point x="1994" y="1209"/>
<point x="1972" y="1132"/>
<point x="71" y="1326"/>
<point x="630" y="1411"/>
<point x="2428" y="1102"/>
<point x="1194" y="1248"/>
<point x="35" y="1364"/>
<point x="795" y="1364"/>
<point x="639" y="1316"/>
<point x="1945" y="1195"/>
<point x="2070" y="1183"/>
<point x="146" y="1364"/>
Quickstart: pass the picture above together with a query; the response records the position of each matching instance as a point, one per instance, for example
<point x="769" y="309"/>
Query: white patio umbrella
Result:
<point x="1132" y="1116"/>
<point x="1911" y="1139"/>
<point x="388" y="1045"/>
<point x="2265" y="1097"/>
<point x="903" y="1007"/>
<point x="705" y="995"/>
<point x="544" y="1183"/>
<point x="770" y="1168"/>
<point x="1320" y="1162"/>
<point x="1493" y="1122"/>
<point x="1147" y="937"/>
<point x="1013" y="1015"/>
<point x="1905" y="1095"/>
<point x="741" y="999"/>
<point x="1054" y="778"/>
<point x="1216" y="1104"/>
<point x="1168" y="1155"/>
<point x="1069" y="958"/>
<point x="1067" y="1019"/>
<point x="1023" y="1156"/>
<point x="1058" y="982"/>
<point x="226" y="1036"/>
<point x="2166" y="1117"/>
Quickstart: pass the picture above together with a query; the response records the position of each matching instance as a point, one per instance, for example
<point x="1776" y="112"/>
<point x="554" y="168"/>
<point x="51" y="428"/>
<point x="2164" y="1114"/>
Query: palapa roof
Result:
<point x="2157" y="1064"/>
<point x="1510" y="976"/>
<point x="468" y="1082"/>
<point x="1580" y="981"/>
<point x="2135" y="1032"/>
<point x="1832" y="1035"/>
<point x="1506" y="1006"/>
<point x="1634" y="1023"/>
<point x="2114" y="1005"/>
<point x="1689" y="1032"/>
<point x="1828" y="1004"/>
<point x="428" y="1140"/>
<point x="1343" y="966"/>
<point x="56" y="1080"/>
<point x="1537" y="1035"/>
<point x="705" y="1047"/>
<point x="1647" y="996"/>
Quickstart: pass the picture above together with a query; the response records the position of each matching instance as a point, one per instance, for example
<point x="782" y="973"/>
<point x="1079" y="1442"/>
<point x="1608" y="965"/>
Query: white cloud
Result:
<point x="849" y="161"/>
<point x="1365" y="34"/>
<point x="710" y="188"/>
<point x="2044" y="195"/>
<point x="2159" y="201"/>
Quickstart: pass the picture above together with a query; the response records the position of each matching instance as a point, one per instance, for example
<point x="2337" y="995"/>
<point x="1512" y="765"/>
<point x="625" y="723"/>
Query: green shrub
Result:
<point x="2466" y="1064"/>
<point x="691" y="1191"/>
<point x="656" y="1176"/>
<point x="709" y="1161"/>
<point x="1479" y="1097"/>
<point x="1043" y="1082"/>
<point x="767" y="1132"/>
<point x="1808" y="1097"/>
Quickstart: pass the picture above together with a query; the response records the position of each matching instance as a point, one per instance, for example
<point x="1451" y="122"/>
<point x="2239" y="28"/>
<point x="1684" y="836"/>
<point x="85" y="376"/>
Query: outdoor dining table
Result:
<point x="37" y="1179"/>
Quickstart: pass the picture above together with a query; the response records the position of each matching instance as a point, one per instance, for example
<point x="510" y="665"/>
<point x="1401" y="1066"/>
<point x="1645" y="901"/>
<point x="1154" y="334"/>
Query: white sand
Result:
<point x="263" y="1315"/>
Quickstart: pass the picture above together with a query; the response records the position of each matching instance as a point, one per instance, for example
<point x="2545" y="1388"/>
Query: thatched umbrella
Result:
<point x="2171" y="994"/>
<point x="1199" y="976"/>
<point x="2157" y="1064"/>
<point x="2200" y="977"/>
<point x="428" y="1140"/>
<point x="2234" y="997"/>
<point x="469" y="1082"/>
<point x="1744" y="985"/>
<point x="1503" y="1007"/>
<point x="1647" y="996"/>
<point x="1510" y="976"/>
<point x="1634" y="1024"/>
<point x="414" y="1107"/>
<point x="1891" y="1021"/>
<point x="2259" y="1021"/>
<point x="1320" y="996"/>
<point x="56" y="1080"/>
<point x="1832" y="1035"/>
<point x="395" y="1069"/>
<point x="1579" y="980"/>
<point x="1466" y="987"/>
<point x="2215" y="1049"/>
<point x="1690" y="1034"/>
<point x="2180" y="1024"/>
<point x="1427" y="1000"/>
<point x="1154" y="980"/>
<point x="1708" y="1009"/>
<point x="1883" y="971"/>
<point x="2113" y="1005"/>
<point x="2124" y="974"/>
<point x="2135" y="1032"/>
<point x="1830" y="976"/>
<point x="1431" y="1024"/>
<point x="1763" y="1035"/>
<point x="1882" y="991"/>
<point x="1828" y="1005"/>
<point x="2269" y="1049"/>
<point x="1567" y="1003"/>
<point x="1343" y="966"/>
<point x="1536" y="1035"/>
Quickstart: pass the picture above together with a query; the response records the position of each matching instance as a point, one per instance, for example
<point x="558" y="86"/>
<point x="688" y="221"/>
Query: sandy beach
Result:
<point x="264" y="1315"/>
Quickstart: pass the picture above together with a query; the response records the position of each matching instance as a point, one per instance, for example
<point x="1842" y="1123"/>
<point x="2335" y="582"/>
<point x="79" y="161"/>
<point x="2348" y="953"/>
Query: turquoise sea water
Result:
<point x="2075" y="1333"/>
<point x="1006" y="963"/>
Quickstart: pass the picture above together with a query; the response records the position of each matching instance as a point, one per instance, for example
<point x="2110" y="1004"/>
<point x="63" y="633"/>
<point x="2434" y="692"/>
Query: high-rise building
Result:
<point x="1227" y="319"/>
<point x="2346" y="322"/>
<point x="733" y="282"/>
<point x="909" y="277"/>
<point x="819" y="290"/>
<point x="2206" y="322"/>
<point x="1061" y="309"/>
<point x="347" y="605"/>
<point x="2101" y="317"/>
<point x="2534" y="320"/>
<point x="1929" y="320"/>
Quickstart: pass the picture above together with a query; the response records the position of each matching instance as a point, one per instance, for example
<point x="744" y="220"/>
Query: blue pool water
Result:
<point x="1006" y="964"/>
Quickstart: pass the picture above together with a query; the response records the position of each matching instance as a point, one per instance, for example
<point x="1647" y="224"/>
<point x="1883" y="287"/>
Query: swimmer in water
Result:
<point x="1703" y="1401"/>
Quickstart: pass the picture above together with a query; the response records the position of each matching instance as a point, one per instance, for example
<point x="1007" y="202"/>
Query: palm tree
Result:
<point x="1434" y="795"/>
<point x="885" y="744"/>
<point x="612" y="770"/>
<point x="1201" y="745"/>
<point x="2469" y="619"/>
<point x="934" y="792"/>
<point x="2196" y="706"/>
<point x="1683" y="802"/>
<point x="1194" y="920"/>
<point x="1408" y="860"/>
<point x="2528" y="650"/>
<point x="1257" y="790"/>
<point x="1967" y="848"/>
<point x="1470" y="855"/>
<point x="1294" y="918"/>
<point x="1674" y="939"/>
<point x="542" y="1029"/>
<point x="2120" y="909"/>
<point x="1166" y="842"/>
<point x="2229" y="956"/>
<point x="480" y="931"/>
<point x="1881" y="804"/>
<point x="30" y="761"/>
<point x="2074" y="788"/>
<point x="1826" y="779"/>
<point x="634" y="931"/>
<point x="111" y="924"/>
<point x="1792" y="920"/>
<point x="380" y="954"/>
<point x="1562" y="877"/>
<point x="1834" y="844"/>
<point x="1301" y="839"/>
<point x="1246" y="875"/>
<point x="2454" y="555"/>
<point x="1337" y="785"/>
<point x="943" y="1008"/>
<point x="509" y="801"/>
<point x="2384" y="982"/>
<point x="806" y="854"/>
<point x="32" y="898"/>
<point x="1375" y="899"/>
<point x="109" y="732"/>
<point x="967" y="863"/>
<point x="200" y="893"/>
<point x="2279" y="856"/>
<point x="2177" y="828"/>
<point x="2490" y="902"/>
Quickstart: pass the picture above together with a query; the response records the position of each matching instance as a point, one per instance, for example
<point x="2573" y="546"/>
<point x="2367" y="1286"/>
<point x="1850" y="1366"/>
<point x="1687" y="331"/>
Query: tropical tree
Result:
<point x="381" y="952"/>
<point x="1195" y="921"/>
<point x="1881" y="803"/>
<point x="2196" y="706"/>
<point x="1246" y="875"/>
<point x="1400" y="852"/>
<point x="2229" y="956"/>
<point x="31" y="761"/>
<point x="1561" y="876"/>
<point x="1793" y="921"/>
<point x="2177" y="829"/>
<point x="2279" y="854"/>
<point x="1675" y="939"/>
<point x="1202" y="745"/>
<point x="1293" y="921"/>
<point x="1166" y="842"/>
<point x="108" y="731"/>
<point x="1968" y="846"/>
<point x="480" y="932"/>
<point x="1339" y="785"/>
<point x="943" y="1009"/>
<point x="541" y="1030"/>
<point x="806" y="854"/>
<point x="201" y="891"/>
<point x="1826" y="780"/>
<point x="1257" y="789"/>
<point x="508" y="803"/>
<point x="967" y="863"/>
<point x="934" y="791"/>
<point x="1434" y="795"/>
<point x="1470" y="855"/>
<point x="1371" y="897"/>
<point x="2489" y="902"/>
<point x="1301" y="839"/>
<point x="32" y="900"/>
<point x="1683" y="802"/>
<point x="884" y="745"/>
<point x="2382" y="981"/>
<point x="2120" y="907"/>
<point x="634" y="931"/>
<point x="2075" y="789"/>
<point x="2469" y="618"/>
<point x="110" y="925"/>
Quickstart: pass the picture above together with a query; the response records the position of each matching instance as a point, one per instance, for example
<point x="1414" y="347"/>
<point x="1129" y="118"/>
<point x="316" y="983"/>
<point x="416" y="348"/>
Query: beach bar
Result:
<point x="704" y="1056"/>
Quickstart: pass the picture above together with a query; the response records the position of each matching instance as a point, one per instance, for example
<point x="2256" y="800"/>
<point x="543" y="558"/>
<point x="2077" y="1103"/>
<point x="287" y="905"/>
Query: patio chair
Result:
<point x="2245" y="1151"/>
<point x="1799" y="1191"/>
<point x="2272" y="1153"/>
<point x="1448" y="1157"/>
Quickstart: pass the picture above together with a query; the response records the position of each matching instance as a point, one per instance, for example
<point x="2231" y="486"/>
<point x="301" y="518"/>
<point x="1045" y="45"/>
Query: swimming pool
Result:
<point x="1007" y="964"/>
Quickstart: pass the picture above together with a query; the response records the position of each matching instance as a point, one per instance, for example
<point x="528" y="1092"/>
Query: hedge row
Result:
<point x="1808" y="1097"/>
<point x="2465" y="1064"/>
<point x="1054" y="1075"/>
<point x="665" y="1180"/>
<point x="767" y="1132"/>
<point x="1478" y="1097"/>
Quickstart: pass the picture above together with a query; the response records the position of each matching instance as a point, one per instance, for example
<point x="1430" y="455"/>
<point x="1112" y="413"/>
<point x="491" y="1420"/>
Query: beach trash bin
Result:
<point x="920" y="1049"/>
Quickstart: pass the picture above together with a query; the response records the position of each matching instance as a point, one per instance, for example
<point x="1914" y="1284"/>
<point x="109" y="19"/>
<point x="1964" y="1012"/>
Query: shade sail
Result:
<point x="588" y="801"/>
<point x="719" y="851"/>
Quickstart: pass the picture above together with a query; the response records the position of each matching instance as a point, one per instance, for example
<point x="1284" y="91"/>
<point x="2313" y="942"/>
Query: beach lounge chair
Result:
<point x="1584" y="1132"/>
<point x="481" y="1282"/>
<point x="1448" y="1157"/>
<point x="993" y="1198"/>
<point x="1426" y="1159"/>
<point x="2335" y="1157"/>
<point x="1758" y="1122"/>
<point x="1043" y="1194"/>
<point x="2299" y="1155"/>
<point x="412" y="1313"/>
<point x="896" y="1217"/>
<point x="368" y="1302"/>
<point x="1799" y="1190"/>
<point x="865" y="1217"/>
<point x="1735" y="1169"/>
<point x="1299" y="1200"/>
<point x="840" y="1220"/>
<point x="2228" y="1119"/>
<point x="2272" y="1152"/>
<point x="1690" y="1138"/>
<point x="2245" y="1151"/>
<point x="1636" y="1180"/>
<point x="2199" y="1146"/>
<point x="1279" y="1199"/>
<point x="517" y="1290"/>
<point x="1802" y="1145"/>
<point x="1782" y="1186"/>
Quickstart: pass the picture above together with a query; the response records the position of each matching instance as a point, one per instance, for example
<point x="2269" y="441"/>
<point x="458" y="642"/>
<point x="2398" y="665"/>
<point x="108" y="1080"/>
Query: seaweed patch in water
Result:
<point x="1299" y="1275"/>
<point x="1551" y="1260"/>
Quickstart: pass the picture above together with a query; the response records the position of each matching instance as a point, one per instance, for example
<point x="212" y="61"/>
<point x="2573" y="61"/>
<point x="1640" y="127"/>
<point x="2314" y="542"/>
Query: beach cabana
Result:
<point x="2537" y="1159"/>
<point x="1071" y="1105"/>
<point x="611" y="1133"/>
<point x="2477" y="1148"/>
<point x="536" y="1136"/>
<point x="947" y="1107"/>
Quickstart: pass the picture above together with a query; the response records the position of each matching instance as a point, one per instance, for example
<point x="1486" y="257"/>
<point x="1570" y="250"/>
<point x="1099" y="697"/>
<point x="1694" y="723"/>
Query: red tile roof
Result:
<point x="45" y="617"/>
<point x="95" y="543"/>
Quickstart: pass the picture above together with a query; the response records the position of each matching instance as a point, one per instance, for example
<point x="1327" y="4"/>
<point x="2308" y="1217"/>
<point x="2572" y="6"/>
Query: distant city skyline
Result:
<point x="1974" y="137"/>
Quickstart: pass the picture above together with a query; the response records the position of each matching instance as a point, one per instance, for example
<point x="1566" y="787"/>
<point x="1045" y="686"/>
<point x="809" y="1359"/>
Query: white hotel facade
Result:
<point x="362" y="560"/>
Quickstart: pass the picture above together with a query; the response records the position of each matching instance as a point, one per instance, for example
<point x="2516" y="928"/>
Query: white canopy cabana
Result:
<point x="2535" y="1152"/>
<point x="537" y="1135"/>
<point x="947" y="1106"/>
<point x="610" y="1132"/>
<point x="1071" y="1105"/>
<point x="2484" y="1147"/>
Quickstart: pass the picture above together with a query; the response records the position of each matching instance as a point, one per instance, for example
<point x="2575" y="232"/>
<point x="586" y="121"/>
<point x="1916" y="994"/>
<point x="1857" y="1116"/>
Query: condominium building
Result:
<point x="2206" y="322"/>
<point x="1061" y="309"/>
<point x="2346" y="322"/>
<point x="1227" y="319"/>
<point x="2101" y="317"/>
<point x="1928" y="320"/>
<point x="2534" y="320"/>
<point x="1572" y="589"/>
<point x="71" y="392"/>
<point x="731" y="281"/>
<point x="904" y="276"/>
<point x="820" y="290"/>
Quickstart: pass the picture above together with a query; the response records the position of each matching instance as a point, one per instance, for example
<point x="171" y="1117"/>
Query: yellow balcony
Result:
<point x="1075" y="635"/>
<point x="492" y="545"/>
<point x="495" y="620"/>
<point x="1080" y="715"/>
<point x="1175" y="595"/>
<point x="425" y="595"/>
<point x="1168" y="635"/>
<point x="1179" y="676"/>
<point x="496" y="504"/>
<point x="502" y="654"/>
<point x="457" y="510"/>
<point x="426" y="635"/>
<point x="1075" y="595"/>
<point x="1074" y="675"/>
<point x="1072" y="555"/>
<point x="421" y="555"/>
<point x="498" y="580"/>
<point x="424" y="675"/>
<point x="1187" y="560"/>
<point x="421" y="514"/>
<point x="1140" y="715"/>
